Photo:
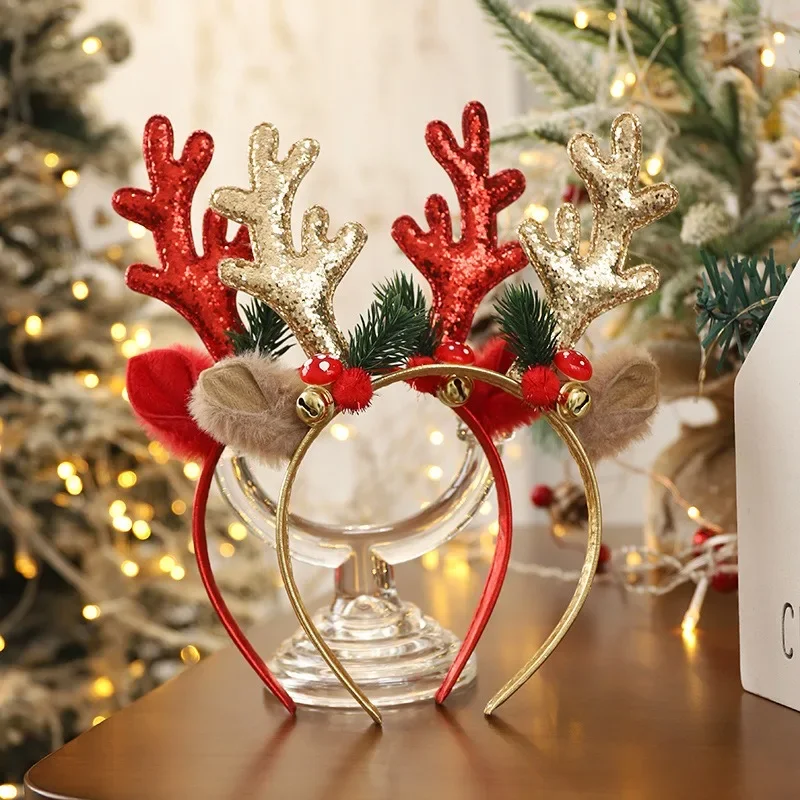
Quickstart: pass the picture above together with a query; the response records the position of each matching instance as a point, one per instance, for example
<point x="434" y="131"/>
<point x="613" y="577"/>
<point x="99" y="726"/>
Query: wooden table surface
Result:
<point x="624" y="709"/>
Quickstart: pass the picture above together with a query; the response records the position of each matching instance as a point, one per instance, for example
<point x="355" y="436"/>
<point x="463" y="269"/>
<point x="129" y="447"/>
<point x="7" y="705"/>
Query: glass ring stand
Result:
<point x="395" y="652"/>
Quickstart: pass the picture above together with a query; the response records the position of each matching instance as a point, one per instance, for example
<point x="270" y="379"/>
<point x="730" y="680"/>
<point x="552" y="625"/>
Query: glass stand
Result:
<point x="396" y="653"/>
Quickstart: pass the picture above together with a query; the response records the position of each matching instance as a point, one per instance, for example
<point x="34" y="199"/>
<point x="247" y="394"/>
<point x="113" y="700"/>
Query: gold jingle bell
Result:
<point x="315" y="406"/>
<point x="455" y="391"/>
<point x="574" y="401"/>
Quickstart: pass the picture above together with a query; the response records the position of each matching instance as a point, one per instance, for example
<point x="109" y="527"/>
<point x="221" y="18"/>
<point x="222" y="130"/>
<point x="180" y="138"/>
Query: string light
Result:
<point x="91" y="45"/>
<point x="612" y="15"/>
<point x="456" y="566"/>
<point x="115" y="252"/>
<point x="692" y="615"/>
<point x="581" y="19"/>
<point x="485" y="509"/>
<point x="434" y="472"/>
<point x="129" y="568"/>
<point x="237" y="531"/>
<point x="7" y="791"/>
<point x="144" y="510"/>
<point x="430" y="560"/>
<point x="74" y="485"/>
<point x="159" y="453"/>
<point x="98" y="719"/>
<point x="177" y="573"/>
<point x="779" y="37"/>
<point x="33" y="325"/>
<point x="118" y="331"/>
<point x="103" y="686"/>
<point x="768" y="57"/>
<point x="91" y="611"/>
<point x="127" y="478"/>
<point x="617" y="88"/>
<point x="693" y="512"/>
<point x="142" y="337"/>
<point x="2" y="644"/>
<point x="51" y="160"/>
<point x="91" y="380"/>
<point x="166" y="563"/>
<point x="136" y="669"/>
<point x="124" y="395"/>
<point x="529" y="158"/>
<point x="630" y="78"/>
<point x="80" y="290"/>
<point x="494" y="528"/>
<point x="117" y="508"/>
<point x="25" y="565"/>
<point x="340" y="432"/>
<point x="122" y="523"/>
<point x="129" y="348"/>
<point x="141" y="529"/>
<point x="65" y="469"/>
<point x="654" y="165"/>
<point x="190" y="654"/>
<point x="136" y="230"/>
<point x="178" y="507"/>
<point x="226" y="549"/>
<point x="537" y="212"/>
<point x="70" y="178"/>
<point x="191" y="469"/>
<point x="436" y="437"/>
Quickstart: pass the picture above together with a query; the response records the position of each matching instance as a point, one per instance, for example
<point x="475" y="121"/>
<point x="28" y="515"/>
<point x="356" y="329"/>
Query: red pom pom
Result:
<point x="352" y="390"/>
<point x="725" y="582"/>
<point x="542" y="496"/>
<point x="428" y="384"/>
<point x="604" y="558"/>
<point x="540" y="387"/>
<point x="159" y="384"/>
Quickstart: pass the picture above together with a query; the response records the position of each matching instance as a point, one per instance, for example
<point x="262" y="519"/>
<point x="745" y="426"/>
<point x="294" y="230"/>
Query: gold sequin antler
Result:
<point x="580" y="288"/>
<point x="298" y="285"/>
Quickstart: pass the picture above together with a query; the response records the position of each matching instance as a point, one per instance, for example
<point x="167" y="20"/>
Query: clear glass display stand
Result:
<point x="390" y="647"/>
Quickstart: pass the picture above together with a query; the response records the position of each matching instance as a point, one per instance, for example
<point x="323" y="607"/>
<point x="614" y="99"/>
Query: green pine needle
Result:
<point x="395" y="327"/>
<point x="722" y="321"/>
<point x="265" y="332"/>
<point x="400" y="288"/>
<point x="528" y="325"/>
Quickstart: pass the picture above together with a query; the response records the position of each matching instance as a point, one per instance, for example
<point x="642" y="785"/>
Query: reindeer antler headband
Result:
<point x="430" y="354"/>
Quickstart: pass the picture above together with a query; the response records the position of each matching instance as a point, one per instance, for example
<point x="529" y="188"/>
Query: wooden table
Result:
<point x="624" y="709"/>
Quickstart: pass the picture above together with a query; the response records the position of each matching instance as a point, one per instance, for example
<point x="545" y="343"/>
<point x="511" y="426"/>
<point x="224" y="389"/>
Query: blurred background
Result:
<point x="98" y="598"/>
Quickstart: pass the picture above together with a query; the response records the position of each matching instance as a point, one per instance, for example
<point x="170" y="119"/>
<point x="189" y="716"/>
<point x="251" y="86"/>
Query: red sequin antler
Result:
<point x="462" y="273"/>
<point x="186" y="281"/>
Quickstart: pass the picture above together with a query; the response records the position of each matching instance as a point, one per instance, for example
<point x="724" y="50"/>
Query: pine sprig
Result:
<point x="265" y="332"/>
<point x="528" y="325"/>
<point x="392" y="329"/>
<point x="733" y="304"/>
<point x="402" y="289"/>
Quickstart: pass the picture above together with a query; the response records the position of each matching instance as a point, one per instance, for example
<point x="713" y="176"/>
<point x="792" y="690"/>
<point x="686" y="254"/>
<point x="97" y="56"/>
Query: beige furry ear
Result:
<point x="625" y="393"/>
<point x="248" y="403"/>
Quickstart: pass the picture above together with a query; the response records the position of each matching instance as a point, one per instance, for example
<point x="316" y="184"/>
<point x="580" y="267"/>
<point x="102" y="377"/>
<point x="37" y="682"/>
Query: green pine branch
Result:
<point x="528" y="325"/>
<point x="542" y="55"/>
<point x="265" y="332"/>
<point x="395" y="327"/>
<point x="733" y="303"/>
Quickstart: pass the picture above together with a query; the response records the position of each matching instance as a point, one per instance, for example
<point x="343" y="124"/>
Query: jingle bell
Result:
<point x="574" y="401"/>
<point x="455" y="391"/>
<point x="315" y="406"/>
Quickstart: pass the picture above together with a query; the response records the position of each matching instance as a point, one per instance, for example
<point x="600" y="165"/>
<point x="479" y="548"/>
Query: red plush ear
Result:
<point x="498" y="412"/>
<point x="160" y="384"/>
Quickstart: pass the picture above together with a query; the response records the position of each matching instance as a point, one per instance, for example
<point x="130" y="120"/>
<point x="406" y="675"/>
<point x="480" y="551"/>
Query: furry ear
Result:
<point x="625" y="395"/>
<point x="248" y="403"/>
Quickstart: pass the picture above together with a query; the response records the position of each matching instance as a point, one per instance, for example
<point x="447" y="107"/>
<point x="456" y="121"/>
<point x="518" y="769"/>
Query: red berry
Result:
<point x="454" y="353"/>
<point x="321" y="369"/>
<point x="542" y="496"/>
<point x="573" y="364"/>
<point x="604" y="558"/>
<point x="540" y="387"/>
<point x="701" y="536"/>
<point x="725" y="582"/>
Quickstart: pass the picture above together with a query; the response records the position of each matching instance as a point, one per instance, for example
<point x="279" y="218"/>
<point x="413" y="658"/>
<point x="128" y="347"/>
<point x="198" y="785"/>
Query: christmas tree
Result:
<point x="720" y="123"/>
<point x="98" y="599"/>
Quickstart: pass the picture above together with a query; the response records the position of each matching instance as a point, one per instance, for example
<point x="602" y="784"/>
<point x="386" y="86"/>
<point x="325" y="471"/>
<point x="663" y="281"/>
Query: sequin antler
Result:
<point x="580" y="288"/>
<point x="298" y="285"/>
<point x="462" y="273"/>
<point x="185" y="280"/>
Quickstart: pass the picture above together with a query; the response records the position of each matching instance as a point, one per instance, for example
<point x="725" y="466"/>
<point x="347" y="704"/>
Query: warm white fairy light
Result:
<point x="129" y="348"/>
<point x="617" y="88"/>
<point x="430" y="560"/>
<point x="178" y="507"/>
<point x="177" y="573"/>
<point x="136" y="230"/>
<point x="141" y="529"/>
<point x="65" y="469"/>
<point x="654" y="165"/>
<point x="33" y="325"/>
<point x="768" y="57"/>
<point x="8" y="791"/>
<point x="51" y="159"/>
<point x="127" y="478"/>
<point x="91" y="611"/>
<point x="537" y="212"/>
<point x="142" y="338"/>
<point x="629" y="78"/>
<point x="98" y="719"/>
<point x="70" y="178"/>
<point x="25" y="565"/>
<point x="340" y="432"/>
<point x="226" y="549"/>
<point x="118" y="331"/>
<point x="581" y="19"/>
<point x="74" y="485"/>
<point x="129" y="568"/>
<point x="117" y="508"/>
<point x="485" y="509"/>
<point x="434" y="472"/>
<point x="167" y="563"/>
<point x="80" y="290"/>
<point x="693" y="512"/>
<point x="191" y="469"/>
<point x="91" y="45"/>
<point x="237" y="531"/>
<point x="2" y="644"/>
<point x="103" y="686"/>
<point x="91" y="380"/>
<point x="190" y="654"/>
<point x="122" y="523"/>
<point x="436" y="438"/>
<point x="779" y="37"/>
